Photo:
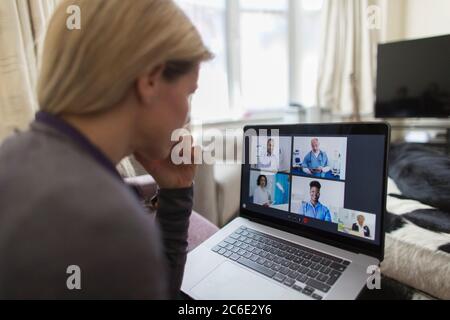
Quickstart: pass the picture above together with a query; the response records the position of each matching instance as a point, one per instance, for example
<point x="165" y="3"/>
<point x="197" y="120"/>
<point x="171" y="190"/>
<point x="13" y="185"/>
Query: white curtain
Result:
<point x="22" y="27"/>
<point x="347" y="72"/>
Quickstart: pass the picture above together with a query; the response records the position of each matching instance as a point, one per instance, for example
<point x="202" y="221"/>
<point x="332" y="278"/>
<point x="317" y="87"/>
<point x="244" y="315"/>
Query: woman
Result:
<point x="261" y="195"/>
<point x="119" y="86"/>
<point x="361" y="227"/>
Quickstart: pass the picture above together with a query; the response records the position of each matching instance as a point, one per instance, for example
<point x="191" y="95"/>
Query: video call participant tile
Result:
<point x="271" y="153"/>
<point x="269" y="189"/>
<point x="320" y="157"/>
<point x="318" y="199"/>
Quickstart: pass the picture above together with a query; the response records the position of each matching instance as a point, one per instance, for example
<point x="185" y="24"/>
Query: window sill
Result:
<point x="256" y="117"/>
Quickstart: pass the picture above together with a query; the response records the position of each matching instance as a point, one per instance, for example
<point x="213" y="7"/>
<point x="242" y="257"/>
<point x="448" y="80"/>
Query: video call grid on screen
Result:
<point x="301" y="170"/>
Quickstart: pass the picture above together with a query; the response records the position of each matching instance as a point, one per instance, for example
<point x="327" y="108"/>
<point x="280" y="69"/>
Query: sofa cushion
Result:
<point x="228" y="180"/>
<point x="200" y="230"/>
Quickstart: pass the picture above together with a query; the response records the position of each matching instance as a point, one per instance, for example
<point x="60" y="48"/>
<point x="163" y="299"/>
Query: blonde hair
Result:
<point x="91" y="69"/>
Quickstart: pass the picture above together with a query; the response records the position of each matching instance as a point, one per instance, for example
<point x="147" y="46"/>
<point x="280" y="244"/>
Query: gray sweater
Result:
<point x="60" y="207"/>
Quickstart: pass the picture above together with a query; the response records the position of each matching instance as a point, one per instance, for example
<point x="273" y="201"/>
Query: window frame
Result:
<point x="233" y="55"/>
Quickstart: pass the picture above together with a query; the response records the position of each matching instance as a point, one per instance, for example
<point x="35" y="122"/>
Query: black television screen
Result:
<point x="413" y="79"/>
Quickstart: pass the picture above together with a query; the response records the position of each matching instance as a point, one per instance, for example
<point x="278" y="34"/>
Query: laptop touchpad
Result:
<point x="232" y="282"/>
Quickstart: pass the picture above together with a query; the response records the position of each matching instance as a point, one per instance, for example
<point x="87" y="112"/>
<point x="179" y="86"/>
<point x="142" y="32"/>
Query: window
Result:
<point x="212" y="98"/>
<point x="309" y="35"/>
<point x="266" y="55"/>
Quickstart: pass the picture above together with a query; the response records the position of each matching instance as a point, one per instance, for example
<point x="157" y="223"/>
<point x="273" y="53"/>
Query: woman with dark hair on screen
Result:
<point x="261" y="195"/>
<point x="118" y="86"/>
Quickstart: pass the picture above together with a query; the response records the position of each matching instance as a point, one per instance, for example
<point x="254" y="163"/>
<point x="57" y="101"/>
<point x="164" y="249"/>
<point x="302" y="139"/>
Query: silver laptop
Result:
<point x="311" y="217"/>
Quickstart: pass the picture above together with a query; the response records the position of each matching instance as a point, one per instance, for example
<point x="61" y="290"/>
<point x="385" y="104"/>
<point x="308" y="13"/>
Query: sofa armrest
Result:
<point x="205" y="195"/>
<point x="146" y="185"/>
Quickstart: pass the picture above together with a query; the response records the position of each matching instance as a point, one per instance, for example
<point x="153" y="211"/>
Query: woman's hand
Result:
<point x="166" y="173"/>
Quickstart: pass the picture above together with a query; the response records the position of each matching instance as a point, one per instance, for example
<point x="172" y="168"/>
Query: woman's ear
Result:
<point x="148" y="84"/>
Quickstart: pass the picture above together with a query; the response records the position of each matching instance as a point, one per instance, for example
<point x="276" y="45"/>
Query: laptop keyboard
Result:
<point x="308" y="271"/>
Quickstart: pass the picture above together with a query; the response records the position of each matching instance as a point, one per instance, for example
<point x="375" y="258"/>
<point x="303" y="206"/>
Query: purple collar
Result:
<point x="76" y="136"/>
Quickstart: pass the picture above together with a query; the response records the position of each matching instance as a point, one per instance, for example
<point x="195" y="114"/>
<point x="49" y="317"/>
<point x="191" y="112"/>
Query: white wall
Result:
<point x="412" y="19"/>
<point x="395" y="17"/>
<point x="427" y="18"/>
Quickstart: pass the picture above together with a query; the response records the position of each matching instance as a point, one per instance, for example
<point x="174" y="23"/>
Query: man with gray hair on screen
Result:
<point x="316" y="161"/>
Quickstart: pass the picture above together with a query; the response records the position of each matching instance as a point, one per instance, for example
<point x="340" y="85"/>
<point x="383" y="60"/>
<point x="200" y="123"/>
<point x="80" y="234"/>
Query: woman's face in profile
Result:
<point x="167" y="111"/>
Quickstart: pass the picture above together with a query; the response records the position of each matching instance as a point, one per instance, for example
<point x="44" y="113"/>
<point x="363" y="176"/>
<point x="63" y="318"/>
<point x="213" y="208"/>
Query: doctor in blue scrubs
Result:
<point x="316" y="161"/>
<point x="313" y="208"/>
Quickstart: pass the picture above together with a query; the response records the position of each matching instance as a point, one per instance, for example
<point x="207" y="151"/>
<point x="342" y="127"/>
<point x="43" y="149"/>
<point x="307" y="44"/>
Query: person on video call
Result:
<point x="316" y="161"/>
<point x="261" y="195"/>
<point x="361" y="227"/>
<point x="313" y="208"/>
<point x="271" y="159"/>
<point x="103" y="95"/>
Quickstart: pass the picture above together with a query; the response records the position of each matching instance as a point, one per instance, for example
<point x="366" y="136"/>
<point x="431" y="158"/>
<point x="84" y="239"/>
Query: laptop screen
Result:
<point x="318" y="177"/>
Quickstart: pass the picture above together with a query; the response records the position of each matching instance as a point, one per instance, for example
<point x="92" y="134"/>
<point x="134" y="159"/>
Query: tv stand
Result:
<point x="442" y="126"/>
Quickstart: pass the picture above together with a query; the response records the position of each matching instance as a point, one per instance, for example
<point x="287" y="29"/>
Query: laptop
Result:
<point x="311" y="216"/>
